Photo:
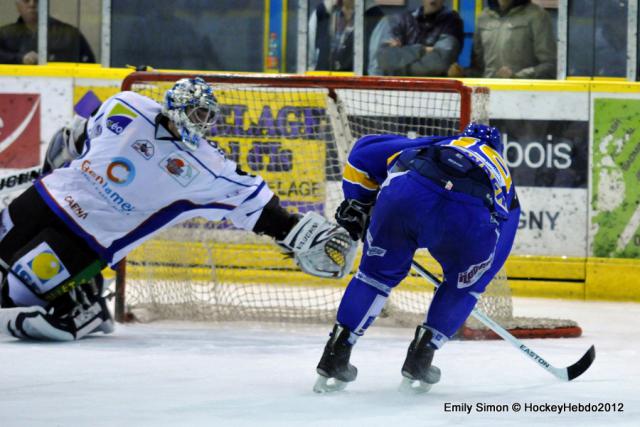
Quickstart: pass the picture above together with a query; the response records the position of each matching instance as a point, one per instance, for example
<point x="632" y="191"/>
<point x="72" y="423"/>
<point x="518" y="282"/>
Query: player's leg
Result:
<point x="469" y="266"/>
<point x="388" y="250"/>
<point x="56" y="271"/>
<point x="473" y="250"/>
<point x="42" y="262"/>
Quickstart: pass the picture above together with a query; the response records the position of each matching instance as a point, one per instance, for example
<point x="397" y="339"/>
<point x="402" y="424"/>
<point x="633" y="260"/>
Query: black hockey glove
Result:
<point x="353" y="215"/>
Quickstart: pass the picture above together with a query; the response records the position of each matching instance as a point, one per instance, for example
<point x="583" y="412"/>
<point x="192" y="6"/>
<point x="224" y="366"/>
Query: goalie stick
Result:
<point x="566" y="374"/>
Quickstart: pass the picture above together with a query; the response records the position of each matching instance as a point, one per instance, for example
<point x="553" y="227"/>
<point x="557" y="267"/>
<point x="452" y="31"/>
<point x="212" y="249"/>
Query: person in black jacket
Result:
<point x="19" y="41"/>
<point x="331" y="34"/>
<point x="424" y="42"/>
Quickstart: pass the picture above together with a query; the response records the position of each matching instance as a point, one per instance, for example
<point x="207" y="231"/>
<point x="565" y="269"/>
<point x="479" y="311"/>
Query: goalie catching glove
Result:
<point x="319" y="247"/>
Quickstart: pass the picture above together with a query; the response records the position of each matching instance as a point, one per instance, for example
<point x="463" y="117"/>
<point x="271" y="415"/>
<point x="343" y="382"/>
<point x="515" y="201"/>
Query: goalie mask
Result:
<point x="490" y="135"/>
<point x="192" y="107"/>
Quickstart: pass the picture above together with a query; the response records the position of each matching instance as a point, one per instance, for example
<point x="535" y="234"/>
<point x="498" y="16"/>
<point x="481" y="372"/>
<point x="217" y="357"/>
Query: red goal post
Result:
<point x="296" y="132"/>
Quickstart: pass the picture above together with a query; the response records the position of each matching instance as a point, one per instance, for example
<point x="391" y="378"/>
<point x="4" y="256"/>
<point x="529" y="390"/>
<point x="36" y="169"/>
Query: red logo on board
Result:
<point x="19" y="130"/>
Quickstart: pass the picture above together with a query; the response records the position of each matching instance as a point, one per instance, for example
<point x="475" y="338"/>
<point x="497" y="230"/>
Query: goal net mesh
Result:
<point x="295" y="132"/>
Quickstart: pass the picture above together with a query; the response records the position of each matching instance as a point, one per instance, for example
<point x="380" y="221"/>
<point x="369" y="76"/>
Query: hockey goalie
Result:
<point x="134" y="168"/>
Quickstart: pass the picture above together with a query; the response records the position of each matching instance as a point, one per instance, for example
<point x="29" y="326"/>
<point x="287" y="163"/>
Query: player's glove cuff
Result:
<point x="353" y="215"/>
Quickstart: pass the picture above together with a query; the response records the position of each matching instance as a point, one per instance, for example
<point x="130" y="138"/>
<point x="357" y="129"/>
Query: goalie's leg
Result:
<point x="59" y="274"/>
<point x="76" y="314"/>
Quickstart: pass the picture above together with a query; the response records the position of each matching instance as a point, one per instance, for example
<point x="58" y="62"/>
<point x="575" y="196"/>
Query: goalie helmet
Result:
<point x="488" y="134"/>
<point x="192" y="107"/>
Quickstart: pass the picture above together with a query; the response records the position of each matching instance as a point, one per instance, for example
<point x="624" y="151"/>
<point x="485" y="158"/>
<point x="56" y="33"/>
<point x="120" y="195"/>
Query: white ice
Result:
<point x="189" y="374"/>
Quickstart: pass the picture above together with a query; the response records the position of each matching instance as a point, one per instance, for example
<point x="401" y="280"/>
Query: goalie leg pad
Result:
<point x="33" y="323"/>
<point x="49" y="265"/>
<point x="319" y="247"/>
<point x="89" y="314"/>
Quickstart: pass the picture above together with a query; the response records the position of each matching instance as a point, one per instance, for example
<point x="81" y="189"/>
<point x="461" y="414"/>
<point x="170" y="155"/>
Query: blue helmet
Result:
<point x="191" y="105"/>
<point x="487" y="134"/>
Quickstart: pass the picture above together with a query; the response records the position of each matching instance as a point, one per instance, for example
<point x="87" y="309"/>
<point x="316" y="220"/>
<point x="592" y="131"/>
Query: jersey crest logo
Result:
<point x="121" y="171"/>
<point x="144" y="148"/>
<point x="473" y="273"/>
<point x="374" y="250"/>
<point x="119" y="118"/>
<point x="179" y="168"/>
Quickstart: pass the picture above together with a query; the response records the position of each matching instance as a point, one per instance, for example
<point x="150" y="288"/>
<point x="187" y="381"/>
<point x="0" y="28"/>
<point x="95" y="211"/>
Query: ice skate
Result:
<point x="334" y="369"/>
<point x="418" y="372"/>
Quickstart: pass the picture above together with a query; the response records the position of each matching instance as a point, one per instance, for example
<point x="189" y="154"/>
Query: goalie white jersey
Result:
<point x="134" y="179"/>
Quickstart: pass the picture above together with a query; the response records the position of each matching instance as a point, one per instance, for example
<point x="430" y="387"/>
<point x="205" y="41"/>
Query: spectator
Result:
<point x="424" y="42"/>
<point x="331" y="34"/>
<point x="513" y="39"/>
<point x="19" y="41"/>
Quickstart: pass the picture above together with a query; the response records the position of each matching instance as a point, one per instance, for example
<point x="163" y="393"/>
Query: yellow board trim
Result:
<point x="248" y="264"/>
<point x="64" y="69"/>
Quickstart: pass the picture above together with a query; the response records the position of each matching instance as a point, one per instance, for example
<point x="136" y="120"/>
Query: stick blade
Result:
<point x="578" y="368"/>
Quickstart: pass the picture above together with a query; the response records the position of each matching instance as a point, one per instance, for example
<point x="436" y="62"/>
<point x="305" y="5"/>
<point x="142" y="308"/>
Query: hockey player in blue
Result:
<point x="452" y="195"/>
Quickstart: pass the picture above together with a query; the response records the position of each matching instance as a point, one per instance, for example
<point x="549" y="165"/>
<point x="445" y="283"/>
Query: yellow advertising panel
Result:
<point x="280" y="136"/>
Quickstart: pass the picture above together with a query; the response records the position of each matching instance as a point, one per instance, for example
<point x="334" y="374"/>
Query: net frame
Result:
<point x="473" y="105"/>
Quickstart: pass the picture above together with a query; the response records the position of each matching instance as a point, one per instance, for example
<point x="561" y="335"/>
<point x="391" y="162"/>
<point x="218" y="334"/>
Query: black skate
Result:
<point x="334" y="369"/>
<point x="418" y="372"/>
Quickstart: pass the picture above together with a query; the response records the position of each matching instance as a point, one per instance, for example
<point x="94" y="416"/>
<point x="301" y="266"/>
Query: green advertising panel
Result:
<point x="616" y="178"/>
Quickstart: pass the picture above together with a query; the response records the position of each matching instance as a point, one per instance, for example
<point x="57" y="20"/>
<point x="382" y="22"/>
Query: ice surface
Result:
<point x="189" y="374"/>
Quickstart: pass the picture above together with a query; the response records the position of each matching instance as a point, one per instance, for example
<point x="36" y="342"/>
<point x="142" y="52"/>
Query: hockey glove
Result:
<point x="353" y="215"/>
<point x="320" y="247"/>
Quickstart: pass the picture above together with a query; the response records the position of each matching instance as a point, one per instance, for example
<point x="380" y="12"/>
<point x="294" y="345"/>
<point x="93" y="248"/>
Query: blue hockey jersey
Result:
<point x="373" y="156"/>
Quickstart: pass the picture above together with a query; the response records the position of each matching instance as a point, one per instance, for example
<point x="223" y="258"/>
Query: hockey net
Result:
<point x="296" y="131"/>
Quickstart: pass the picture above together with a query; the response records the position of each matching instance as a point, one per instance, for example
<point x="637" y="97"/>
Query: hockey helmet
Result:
<point x="489" y="135"/>
<point x="192" y="107"/>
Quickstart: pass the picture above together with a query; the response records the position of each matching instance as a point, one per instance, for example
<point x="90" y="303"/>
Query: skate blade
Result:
<point x="328" y="385"/>
<point x="410" y="386"/>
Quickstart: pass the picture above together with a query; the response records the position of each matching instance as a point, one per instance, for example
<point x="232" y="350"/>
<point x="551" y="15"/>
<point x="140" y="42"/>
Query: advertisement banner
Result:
<point x="553" y="222"/>
<point x="277" y="136"/>
<point x="19" y="130"/>
<point x="546" y="153"/>
<point x="548" y="160"/>
<point x="615" y="204"/>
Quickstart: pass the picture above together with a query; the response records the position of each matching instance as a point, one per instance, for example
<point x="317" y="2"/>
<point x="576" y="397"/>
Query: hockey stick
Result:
<point x="565" y="374"/>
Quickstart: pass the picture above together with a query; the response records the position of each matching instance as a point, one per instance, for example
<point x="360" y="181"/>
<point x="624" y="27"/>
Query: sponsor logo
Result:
<point x="19" y="130"/>
<point x="121" y="171"/>
<point x="473" y="273"/>
<point x="20" y="178"/>
<point x="41" y="269"/>
<point x="119" y="118"/>
<point x="46" y="266"/>
<point x="374" y="250"/>
<point x="95" y="131"/>
<point x="179" y="168"/>
<point x="144" y="148"/>
<point x="76" y="208"/>
<point x="105" y="190"/>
